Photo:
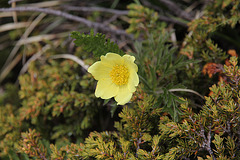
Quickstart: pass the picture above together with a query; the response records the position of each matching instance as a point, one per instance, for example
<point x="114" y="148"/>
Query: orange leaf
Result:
<point x="232" y="52"/>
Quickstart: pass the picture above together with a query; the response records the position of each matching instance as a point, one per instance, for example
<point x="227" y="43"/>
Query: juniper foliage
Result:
<point x="55" y="115"/>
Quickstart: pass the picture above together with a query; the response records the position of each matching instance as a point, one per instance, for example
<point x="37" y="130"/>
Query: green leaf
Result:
<point x="113" y="109"/>
<point x="13" y="155"/>
<point x="95" y="43"/>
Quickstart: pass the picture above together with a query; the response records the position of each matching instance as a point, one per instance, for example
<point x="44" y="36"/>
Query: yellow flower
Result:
<point x="117" y="77"/>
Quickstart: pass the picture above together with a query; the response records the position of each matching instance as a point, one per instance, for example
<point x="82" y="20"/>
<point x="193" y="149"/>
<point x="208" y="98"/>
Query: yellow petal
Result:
<point x="123" y="96"/>
<point x="129" y="58"/>
<point x="112" y="59"/>
<point x="106" y="89"/>
<point x="129" y="61"/>
<point x="133" y="81"/>
<point x="99" y="70"/>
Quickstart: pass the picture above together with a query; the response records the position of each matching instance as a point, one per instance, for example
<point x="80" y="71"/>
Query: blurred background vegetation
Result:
<point x="48" y="109"/>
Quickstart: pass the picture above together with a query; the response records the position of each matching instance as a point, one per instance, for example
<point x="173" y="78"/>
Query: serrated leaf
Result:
<point x="97" y="44"/>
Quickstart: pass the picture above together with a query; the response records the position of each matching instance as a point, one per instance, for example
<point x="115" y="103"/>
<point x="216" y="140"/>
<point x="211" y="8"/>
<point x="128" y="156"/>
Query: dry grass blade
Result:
<point x="98" y="9"/>
<point x="5" y="14"/>
<point x="34" y="57"/>
<point x="72" y="57"/>
<point x="185" y="90"/>
<point x="40" y="4"/>
<point x="43" y="4"/>
<point x="11" y="26"/>
<point x="84" y="21"/>
<point x="9" y="67"/>
<point x="5" y="68"/>
<point x="14" y="13"/>
<point x="40" y="38"/>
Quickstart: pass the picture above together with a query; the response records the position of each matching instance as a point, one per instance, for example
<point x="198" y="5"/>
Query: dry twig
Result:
<point x="94" y="9"/>
<point x="176" y="10"/>
<point x="33" y="58"/>
<point x="24" y="36"/>
<point x="70" y="17"/>
<point x="10" y="63"/>
<point x="162" y="17"/>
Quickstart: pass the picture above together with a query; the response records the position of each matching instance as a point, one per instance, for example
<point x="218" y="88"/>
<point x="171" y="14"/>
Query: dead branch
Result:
<point x="94" y="9"/>
<point x="119" y="13"/>
<point x="176" y="10"/>
<point x="86" y="22"/>
<point x="162" y="17"/>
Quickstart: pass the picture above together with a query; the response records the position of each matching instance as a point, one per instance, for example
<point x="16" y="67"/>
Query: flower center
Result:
<point x="119" y="75"/>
